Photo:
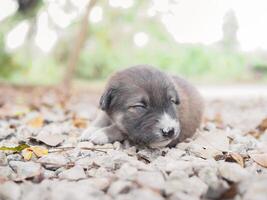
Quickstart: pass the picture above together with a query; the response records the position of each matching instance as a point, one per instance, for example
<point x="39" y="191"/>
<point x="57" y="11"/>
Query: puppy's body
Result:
<point x="148" y="107"/>
<point x="190" y="110"/>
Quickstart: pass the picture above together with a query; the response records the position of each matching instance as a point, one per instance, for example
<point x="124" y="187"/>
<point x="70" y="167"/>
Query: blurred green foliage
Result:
<point x="110" y="47"/>
<point x="6" y="64"/>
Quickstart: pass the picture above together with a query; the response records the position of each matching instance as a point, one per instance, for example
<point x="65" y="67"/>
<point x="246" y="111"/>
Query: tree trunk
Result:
<point x="78" y="45"/>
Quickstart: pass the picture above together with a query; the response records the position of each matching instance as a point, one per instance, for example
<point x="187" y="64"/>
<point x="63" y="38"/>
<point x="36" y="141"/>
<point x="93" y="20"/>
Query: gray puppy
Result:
<point x="148" y="107"/>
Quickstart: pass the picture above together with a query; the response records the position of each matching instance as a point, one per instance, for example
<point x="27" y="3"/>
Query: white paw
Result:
<point x="97" y="137"/>
<point x="86" y="133"/>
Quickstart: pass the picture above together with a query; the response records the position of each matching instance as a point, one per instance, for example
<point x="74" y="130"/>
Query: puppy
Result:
<point x="148" y="107"/>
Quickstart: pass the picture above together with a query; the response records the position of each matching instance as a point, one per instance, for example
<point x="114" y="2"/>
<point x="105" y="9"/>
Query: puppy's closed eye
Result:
<point x="137" y="107"/>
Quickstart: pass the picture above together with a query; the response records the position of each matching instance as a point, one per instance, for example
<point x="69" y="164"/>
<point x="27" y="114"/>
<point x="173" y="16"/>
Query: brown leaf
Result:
<point x="34" y="150"/>
<point x="217" y="120"/>
<point x="79" y="123"/>
<point x="236" y="158"/>
<point x="39" y="151"/>
<point x="27" y="154"/>
<point x="263" y="125"/>
<point x="260" y="158"/>
<point x="36" y="122"/>
<point x="230" y="193"/>
<point x="255" y="133"/>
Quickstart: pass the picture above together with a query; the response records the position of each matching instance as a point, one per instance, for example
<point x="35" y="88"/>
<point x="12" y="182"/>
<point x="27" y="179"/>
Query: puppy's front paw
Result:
<point x="97" y="137"/>
<point x="87" y="133"/>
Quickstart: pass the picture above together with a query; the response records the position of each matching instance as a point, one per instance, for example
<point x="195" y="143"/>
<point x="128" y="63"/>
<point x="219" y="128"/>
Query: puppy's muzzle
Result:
<point x="168" y="132"/>
<point x="168" y="127"/>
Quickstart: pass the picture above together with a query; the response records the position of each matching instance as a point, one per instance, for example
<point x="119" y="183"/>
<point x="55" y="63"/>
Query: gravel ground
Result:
<point x="227" y="158"/>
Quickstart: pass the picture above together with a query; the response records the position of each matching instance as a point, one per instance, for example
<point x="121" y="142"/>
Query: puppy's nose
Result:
<point x="167" y="132"/>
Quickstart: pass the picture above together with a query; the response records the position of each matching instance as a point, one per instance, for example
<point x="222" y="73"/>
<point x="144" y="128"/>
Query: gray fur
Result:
<point x="135" y="102"/>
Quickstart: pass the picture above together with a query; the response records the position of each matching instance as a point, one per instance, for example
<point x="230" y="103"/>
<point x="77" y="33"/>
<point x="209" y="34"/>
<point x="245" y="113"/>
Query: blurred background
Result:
<point x="207" y="41"/>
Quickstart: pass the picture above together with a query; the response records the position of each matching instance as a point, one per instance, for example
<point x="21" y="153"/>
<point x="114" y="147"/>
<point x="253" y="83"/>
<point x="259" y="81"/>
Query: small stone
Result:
<point x="9" y="191"/>
<point x="14" y="157"/>
<point x="75" y="173"/>
<point x="49" y="174"/>
<point x="215" y="191"/>
<point x="99" y="183"/>
<point x="149" y="154"/>
<point x="242" y="144"/>
<point x="119" y="187"/>
<point x="24" y="132"/>
<point x="117" y="145"/>
<point x="263" y="136"/>
<point x="232" y="171"/>
<point x="193" y="186"/>
<point x="126" y="144"/>
<point x="175" y="154"/>
<point x="85" y="144"/>
<point x="131" y="151"/>
<point x="26" y="169"/>
<point x="168" y="164"/>
<point x="53" y="160"/>
<point x="100" y="172"/>
<point x="127" y="172"/>
<point x="209" y="175"/>
<point x="184" y="166"/>
<point x="50" y="137"/>
<point x="140" y="194"/>
<point x="85" y="162"/>
<point x="199" y="164"/>
<point x="115" y="159"/>
<point x="59" y="170"/>
<point x="32" y="191"/>
<point x="182" y="196"/>
<point x="106" y="146"/>
<point x="5" y="132"/>
<point x="3" y="159"/>
<point x="76" y="190"/>
<point x="254" y="188"/>
<point x="150" y="179"/>
<point x="178" y="174"/>
<point x="6" y="172"/>
<point x="105" y="161"/>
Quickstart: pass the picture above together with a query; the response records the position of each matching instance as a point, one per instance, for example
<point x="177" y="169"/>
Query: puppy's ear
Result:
<point x="177" y="98"/>
<point x="106" y="98"/>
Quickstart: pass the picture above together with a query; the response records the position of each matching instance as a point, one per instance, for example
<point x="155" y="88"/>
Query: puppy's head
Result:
<point x="142" y="101"/>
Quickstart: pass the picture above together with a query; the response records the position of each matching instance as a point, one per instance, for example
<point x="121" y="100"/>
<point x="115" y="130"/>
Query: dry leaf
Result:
<point x="79" y="123"/>
<point x="263" y="125"/>
<point x="39" y="151"/>
<point x="255" y="133"/>
<point x="230" y="193"/>
<point x="27" y="154"/>
<point x="236" y="157"/>
<point x="36" y="122"/>
<point x="34" y="150"/>
<point x="217" y="119"/>
<point x="260" y="158"/>
<point x="18" y="148"/>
